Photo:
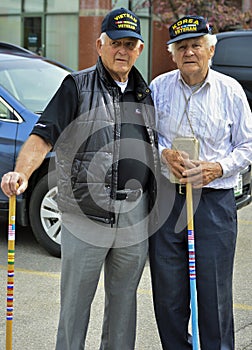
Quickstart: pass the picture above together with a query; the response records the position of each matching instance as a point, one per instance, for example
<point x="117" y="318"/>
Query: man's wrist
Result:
<point x="220" y="169"/>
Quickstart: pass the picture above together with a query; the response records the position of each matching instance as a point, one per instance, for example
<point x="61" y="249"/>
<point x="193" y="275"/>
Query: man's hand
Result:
<point x="14" y="183"/>
<point x="177" y="161"/>
<point x="29" y="159"/>
<point x="202" y="174"/>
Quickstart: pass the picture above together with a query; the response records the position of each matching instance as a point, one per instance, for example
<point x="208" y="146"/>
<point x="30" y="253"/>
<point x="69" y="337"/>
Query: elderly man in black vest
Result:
<point x="100" y="122"/>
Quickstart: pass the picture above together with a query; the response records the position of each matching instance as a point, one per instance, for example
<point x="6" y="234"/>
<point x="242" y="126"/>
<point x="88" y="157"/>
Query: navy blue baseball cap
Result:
<point x="188" y="27"/>
<point x="121" y="23"/>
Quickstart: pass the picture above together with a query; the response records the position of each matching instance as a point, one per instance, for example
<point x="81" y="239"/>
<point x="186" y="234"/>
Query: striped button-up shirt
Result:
<point x="219" y="115"/>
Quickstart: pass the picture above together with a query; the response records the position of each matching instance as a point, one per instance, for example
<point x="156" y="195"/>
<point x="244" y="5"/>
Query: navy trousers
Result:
<point x="215" y="229"/>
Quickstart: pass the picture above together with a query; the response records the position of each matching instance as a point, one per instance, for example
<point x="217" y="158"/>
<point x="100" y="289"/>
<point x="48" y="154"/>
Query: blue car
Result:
<point x="27" y="83"/>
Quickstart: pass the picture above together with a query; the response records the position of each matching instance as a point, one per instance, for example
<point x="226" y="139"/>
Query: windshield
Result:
<point x="32" y="82"/>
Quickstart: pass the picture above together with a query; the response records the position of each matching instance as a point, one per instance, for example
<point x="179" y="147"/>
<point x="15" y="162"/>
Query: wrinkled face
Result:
<point x="192" y="58"/>
<point x="118" y="56"/>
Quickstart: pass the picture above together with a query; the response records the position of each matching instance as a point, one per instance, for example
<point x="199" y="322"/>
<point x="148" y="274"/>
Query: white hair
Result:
<point x="103" y="37"/>
<point x="210" y="40"/>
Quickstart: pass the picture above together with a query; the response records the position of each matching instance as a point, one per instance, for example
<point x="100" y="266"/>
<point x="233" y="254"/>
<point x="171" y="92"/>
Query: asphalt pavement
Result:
<point x="36" y="295"/>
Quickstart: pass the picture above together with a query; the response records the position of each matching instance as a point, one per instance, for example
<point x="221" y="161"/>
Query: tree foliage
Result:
<point x="222" y="15"/>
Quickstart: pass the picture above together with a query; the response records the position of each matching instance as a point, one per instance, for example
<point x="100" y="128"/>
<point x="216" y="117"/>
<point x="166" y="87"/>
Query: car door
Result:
<point x="232" y="57"/>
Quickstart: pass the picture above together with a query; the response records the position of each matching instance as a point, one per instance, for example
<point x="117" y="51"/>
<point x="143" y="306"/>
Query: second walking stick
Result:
<point x="192" y="266"/>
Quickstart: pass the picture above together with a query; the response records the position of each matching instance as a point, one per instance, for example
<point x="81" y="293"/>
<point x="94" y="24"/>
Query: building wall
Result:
<point x="161" y="58"/>
<point x="69" y="30"/>
<point x="47" y="27"/>
<point x="91" y="14"/>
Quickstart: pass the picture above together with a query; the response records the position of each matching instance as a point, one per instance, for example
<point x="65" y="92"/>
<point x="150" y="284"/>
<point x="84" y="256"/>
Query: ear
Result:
<point x="98" y="46"/>
<point x="141" y="47"/>
<point x="212" y="51"/>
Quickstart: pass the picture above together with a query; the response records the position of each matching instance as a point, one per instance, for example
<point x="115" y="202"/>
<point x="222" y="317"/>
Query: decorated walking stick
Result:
<point x="192" y="266"/>
<point x="10" y="278"/>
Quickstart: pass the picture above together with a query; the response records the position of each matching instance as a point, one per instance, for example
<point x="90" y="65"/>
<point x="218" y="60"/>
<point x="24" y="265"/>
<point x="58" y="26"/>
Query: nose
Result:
<point x="122" y="49"/>
<point x="189" y="51"/>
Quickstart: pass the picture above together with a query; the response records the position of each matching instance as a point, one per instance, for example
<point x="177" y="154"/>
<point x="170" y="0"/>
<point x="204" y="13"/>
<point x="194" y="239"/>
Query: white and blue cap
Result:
<point x="188" y="27"/>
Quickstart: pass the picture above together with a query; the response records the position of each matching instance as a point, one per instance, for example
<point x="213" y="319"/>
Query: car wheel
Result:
<point x="45" y="217"/>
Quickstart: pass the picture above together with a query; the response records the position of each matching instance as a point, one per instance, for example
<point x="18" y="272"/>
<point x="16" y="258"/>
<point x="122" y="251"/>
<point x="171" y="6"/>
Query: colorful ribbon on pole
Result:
<point x="192" y="266"/>
<point x="10" y="273"/>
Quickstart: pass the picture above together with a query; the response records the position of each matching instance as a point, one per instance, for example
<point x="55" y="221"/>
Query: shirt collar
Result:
<point x="208" y="80"/>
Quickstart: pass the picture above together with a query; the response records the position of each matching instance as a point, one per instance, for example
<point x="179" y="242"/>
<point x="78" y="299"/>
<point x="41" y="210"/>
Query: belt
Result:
<point x="181" y="189"/>
<point x="128" y="195"/>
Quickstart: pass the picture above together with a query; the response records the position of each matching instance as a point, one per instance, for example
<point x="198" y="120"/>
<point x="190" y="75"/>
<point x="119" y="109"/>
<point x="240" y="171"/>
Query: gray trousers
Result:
<point x="82" y="263"/>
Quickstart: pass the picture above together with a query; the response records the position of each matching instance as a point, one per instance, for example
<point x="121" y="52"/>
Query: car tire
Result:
<point x="45" y="217"/>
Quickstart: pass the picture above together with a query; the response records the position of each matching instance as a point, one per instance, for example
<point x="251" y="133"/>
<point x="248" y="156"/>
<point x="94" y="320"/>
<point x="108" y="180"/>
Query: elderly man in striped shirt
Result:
<point x="205" y="138"/>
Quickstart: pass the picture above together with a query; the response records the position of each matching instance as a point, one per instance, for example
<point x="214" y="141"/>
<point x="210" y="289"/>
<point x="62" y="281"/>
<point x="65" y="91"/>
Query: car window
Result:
<point x="228" y="54"/>
<point x="5" y="113"/>
<point x="32" y="82"/>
